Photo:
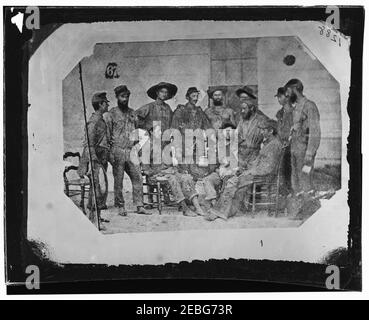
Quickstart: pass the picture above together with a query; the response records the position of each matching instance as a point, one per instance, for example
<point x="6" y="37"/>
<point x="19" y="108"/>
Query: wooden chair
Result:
<point x="76" y="186"/>
<point x="157" y="193"/>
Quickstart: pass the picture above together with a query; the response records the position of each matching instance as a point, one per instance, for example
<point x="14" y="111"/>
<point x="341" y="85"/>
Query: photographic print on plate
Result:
<point x="172" y="141"/>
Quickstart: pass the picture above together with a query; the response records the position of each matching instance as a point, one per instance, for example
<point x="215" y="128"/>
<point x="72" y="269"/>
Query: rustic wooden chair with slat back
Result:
<point x="156" y="193"/>
<point x="76" y="186"/>
<point x="265" y="191"/>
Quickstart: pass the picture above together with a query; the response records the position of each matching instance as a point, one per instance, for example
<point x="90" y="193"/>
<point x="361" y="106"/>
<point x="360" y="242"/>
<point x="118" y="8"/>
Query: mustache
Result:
<point x="293" y="97"/>
<point x="123" y="104"/>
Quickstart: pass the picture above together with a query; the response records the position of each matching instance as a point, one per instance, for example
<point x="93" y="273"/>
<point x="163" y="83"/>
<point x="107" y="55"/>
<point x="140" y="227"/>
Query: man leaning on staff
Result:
<point x="99" y="148"/>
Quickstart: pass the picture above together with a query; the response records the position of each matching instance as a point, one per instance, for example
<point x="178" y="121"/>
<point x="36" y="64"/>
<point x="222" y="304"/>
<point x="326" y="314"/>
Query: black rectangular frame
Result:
<point x="198" y="276"/>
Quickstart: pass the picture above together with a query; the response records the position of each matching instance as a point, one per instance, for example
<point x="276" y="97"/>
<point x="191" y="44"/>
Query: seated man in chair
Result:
<point x="181" y="186"/>
<point x="266" y="164"/>
<point x="216" y="179"/>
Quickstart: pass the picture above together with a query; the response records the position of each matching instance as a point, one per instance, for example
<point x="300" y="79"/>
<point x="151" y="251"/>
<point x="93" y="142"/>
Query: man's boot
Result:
<point x="214" y="214"/>
<point x="122" y="211"/>
<point x="186" y="210"/>
<point x="102" y="227"/>
<point x="199" y="211"/>
<point x="142" y="210"/>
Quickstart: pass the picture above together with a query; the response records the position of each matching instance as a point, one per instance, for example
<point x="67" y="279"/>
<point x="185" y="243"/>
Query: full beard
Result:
<point x="218" y="102"/>
<point x="293" y="97"/>
<point x="123" y="106"/>
<point x="247" y="115"/>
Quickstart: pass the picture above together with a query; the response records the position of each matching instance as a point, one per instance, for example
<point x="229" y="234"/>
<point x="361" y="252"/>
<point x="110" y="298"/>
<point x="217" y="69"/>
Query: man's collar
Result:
<point x="219" y="105"/>
<point x="159" y="102"/>
<point x="188" y="104"/>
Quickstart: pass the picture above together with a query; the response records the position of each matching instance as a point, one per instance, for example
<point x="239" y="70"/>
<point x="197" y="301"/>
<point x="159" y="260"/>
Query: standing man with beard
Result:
<point x="305" y="137"/>
<point x="219" y="113"/>
<point x="121" y="121"/>
<point x="250" y="134"/>
<point x="285" y="122"/>
<point x="190" y="116"/>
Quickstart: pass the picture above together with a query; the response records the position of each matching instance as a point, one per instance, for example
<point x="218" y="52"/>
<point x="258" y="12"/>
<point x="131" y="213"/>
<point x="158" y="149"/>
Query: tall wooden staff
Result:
<point x="96" y="210"/>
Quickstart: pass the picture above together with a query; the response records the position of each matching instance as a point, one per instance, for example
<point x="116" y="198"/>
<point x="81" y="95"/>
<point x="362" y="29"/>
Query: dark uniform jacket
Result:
<point x="120" y="124"/>
<point x="189" y="117"/>
<point x="98" y="139"/>
<point x="285" y="122"/>
<point x="306" y="132"/>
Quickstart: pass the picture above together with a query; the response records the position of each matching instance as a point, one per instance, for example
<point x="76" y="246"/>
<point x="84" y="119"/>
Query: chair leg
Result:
<point x="269" y="199"/>
<point x="67" y="189"/>
<point x="150" y="197"/>
<point x="82" y="202"/>
<point x="160" y="205"/>
<point x="277" y="202"/>
<point x="253" y="199"/>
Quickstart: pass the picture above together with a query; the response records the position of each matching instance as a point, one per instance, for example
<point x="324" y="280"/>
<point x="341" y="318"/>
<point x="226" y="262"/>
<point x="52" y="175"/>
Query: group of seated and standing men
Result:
<point x="262" y="142"/>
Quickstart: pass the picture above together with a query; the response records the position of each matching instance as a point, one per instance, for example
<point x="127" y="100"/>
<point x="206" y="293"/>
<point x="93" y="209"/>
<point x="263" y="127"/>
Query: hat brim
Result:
<point x="172" y="90"/>
<point x="279" y="94"/>
<point x="228" y="126"/>
<point x="239" y="91"/>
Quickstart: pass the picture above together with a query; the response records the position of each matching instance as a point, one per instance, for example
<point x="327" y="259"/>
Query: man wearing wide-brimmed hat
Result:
<point x="219" y="113"/>
<point x="266" y="164"/>
<point x="250" y="135"/>
<point x="157" y="110"/>
<point x="121" y="121"/>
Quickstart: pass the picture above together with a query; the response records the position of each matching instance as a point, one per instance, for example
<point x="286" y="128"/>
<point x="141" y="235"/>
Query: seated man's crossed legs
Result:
<point x="183" y="189"/>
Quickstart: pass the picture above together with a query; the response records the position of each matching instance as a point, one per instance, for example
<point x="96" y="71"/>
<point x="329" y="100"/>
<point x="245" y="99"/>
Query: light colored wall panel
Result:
<point x="319" y="85"/>
<point x="184" y="63"/>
